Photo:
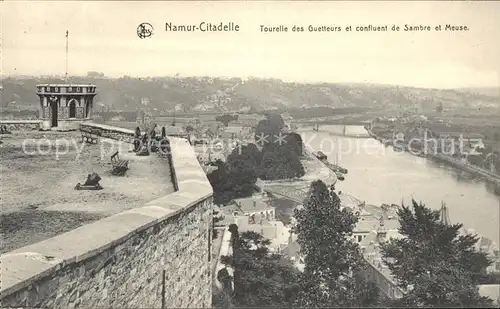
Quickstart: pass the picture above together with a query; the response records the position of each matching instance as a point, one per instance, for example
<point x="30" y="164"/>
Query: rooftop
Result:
<point x="492" y="291"/>
<point x="370" y="225"/>
<point x="371" y="251"/>
<point x="273" y="230"/>
<point x="292" y="250"/>
<point x="45" y="180"/>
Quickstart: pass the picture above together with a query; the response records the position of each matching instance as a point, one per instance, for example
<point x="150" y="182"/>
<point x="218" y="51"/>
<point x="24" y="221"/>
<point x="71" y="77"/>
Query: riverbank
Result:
<point x="474" y="170"/>
<point x="333" y="129"/>
<point x="467" y="167"/>
<point x="338" y="170"/>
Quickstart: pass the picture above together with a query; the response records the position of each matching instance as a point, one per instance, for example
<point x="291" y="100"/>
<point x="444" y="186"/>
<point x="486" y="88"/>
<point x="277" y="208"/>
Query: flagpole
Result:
<point x="66" y="76"/>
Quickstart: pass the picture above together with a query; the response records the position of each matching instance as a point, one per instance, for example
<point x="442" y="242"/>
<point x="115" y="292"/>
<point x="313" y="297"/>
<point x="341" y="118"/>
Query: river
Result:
<point x="377" y="174"/>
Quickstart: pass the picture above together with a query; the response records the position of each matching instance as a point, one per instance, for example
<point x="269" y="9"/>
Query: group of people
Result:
<point x="149" y="141"/>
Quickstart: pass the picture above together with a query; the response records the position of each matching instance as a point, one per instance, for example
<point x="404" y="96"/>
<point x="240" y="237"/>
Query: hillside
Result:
<point x="219" y="94"/>
<point x="488" y="91"/>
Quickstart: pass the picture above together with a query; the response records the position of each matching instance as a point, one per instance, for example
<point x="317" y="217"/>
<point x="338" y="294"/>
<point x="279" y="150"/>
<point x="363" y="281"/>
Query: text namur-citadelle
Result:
<point x="203" y="27"/>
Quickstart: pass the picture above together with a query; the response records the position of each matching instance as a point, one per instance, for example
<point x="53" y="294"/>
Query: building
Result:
<point x="65" y="106"/>
<point x="273" y="230"/>
<point x="254" y="214"/>
<point x="459" y="140"/>
<point x="375" y="226"/>
<point x="367" y="225"/>
<point x="489" y="247"/>
<point x="232" y="132"/>
<point x="377" y="272"/>
<point x="254" y="206"/>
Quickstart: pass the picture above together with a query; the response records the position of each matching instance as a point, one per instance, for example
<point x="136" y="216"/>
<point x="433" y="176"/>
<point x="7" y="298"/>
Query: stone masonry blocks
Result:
<point x="130" y="274"/>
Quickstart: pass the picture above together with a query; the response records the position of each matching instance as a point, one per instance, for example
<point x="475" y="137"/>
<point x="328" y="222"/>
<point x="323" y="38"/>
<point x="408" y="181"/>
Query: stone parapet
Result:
<point x="154" y="256"/>
<point x="21" y="125"/>
<point x="119" y="134"/>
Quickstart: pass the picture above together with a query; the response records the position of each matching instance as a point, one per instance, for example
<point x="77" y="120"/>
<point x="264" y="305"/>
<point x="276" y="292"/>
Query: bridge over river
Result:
<point x="337" y="130"/>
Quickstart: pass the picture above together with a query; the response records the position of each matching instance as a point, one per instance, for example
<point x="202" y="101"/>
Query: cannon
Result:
<point x="92" y="183"/>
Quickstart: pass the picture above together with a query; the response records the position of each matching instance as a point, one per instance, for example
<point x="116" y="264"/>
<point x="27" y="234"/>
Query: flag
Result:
<point x="67" y="33"/>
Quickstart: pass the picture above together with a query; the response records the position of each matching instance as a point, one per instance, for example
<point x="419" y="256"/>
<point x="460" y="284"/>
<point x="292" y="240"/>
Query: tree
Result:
<point x="237" y="177"/>
<point x="491" y="278"/>
<point x="223" y="298"/>
<point x="189" y="128"/>
<point x="261" y="279"/>
<point x="332" y="259"/>
<point x="242" y="172"/>
<point x="294" y="142"/>
<point x="271" y="126"/>
<point x="226" y="119"/>
<point x="253" y="152"/>
<point x="436" y="265"/>
<point x="279" y="162"/>
<point x="221" y="184"/>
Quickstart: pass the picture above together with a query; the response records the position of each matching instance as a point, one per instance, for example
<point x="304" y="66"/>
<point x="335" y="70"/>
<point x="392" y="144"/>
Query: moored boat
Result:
<point x="337" y="169"/>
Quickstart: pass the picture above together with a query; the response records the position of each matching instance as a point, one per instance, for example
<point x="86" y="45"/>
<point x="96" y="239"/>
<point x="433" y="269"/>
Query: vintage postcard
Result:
<point x="293" y="154"/>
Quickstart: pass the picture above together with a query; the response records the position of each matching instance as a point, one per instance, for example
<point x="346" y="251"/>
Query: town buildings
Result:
<point x="248" y="120"/>
<point x="255" y="214"/>
<point x="232" y="132"/>
<point x="377" y="225"/>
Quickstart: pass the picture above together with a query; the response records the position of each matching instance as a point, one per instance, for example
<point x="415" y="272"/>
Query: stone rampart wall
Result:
<point x="150" y="257"/>
<point x="103" y="130"/>
<point x="21" y="125"/>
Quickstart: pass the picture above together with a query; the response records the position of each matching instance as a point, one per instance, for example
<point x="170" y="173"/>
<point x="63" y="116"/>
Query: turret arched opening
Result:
<point x="72" y="109"/>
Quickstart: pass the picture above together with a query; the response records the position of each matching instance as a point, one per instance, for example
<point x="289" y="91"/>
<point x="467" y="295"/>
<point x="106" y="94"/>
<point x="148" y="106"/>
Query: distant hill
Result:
<point x="488" y="91"/>
<point x="233" y="94"/>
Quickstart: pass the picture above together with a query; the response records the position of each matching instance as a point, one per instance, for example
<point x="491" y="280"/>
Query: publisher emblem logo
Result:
<point x="145" y="30"/>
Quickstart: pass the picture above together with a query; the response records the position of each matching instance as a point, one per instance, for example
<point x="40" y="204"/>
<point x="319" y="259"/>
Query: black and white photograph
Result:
<point x="250" y="154"/>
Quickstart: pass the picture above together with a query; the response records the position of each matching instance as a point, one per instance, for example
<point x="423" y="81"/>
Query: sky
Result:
<point x="103" y="38"/>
